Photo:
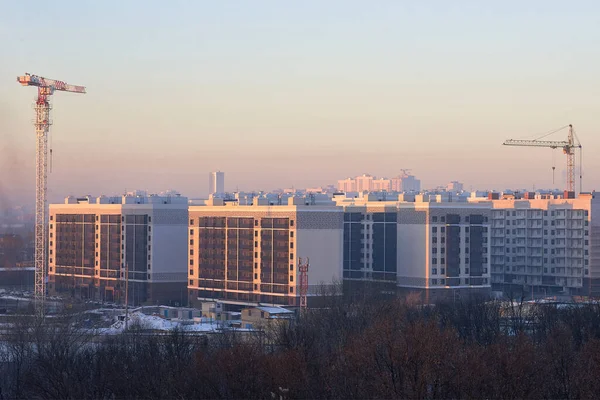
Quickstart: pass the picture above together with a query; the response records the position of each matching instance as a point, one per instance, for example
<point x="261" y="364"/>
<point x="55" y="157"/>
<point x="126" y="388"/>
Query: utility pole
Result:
<point x="126" y="296"/>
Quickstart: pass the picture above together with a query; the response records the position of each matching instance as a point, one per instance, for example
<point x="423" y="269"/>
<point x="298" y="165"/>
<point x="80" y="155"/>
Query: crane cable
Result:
<point x="553" y="164"/>
<point x="551" y="132"/>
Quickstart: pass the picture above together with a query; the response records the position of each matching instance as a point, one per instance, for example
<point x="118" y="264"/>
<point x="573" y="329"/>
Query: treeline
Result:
<point x="368" y="349"/>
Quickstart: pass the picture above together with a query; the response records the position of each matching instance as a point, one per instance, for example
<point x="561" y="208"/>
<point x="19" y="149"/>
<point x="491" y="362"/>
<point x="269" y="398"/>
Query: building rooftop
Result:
<point x="274" y="310"/>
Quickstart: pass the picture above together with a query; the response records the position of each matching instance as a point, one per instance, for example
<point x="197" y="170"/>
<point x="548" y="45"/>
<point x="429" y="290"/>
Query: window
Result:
<point x="443" y="219"/>
<point x="191" y="272"/>
<point x="191" y="231"/>
<point x="149" y="220"/>
<point x="466" y="270"/>
<point x="255" y="243"/>
<point x="291" y="256"/>
<point x="442" y="229"/>
<point x="291" y="222"/>
<point x="434" y="240"/>
<point x="434" y="271"/>
<point x="291" y="234"/>
<point x="255" y="276"/>
<point x="191" y="222"/>
<point x="291" y="278"/>
<point x="191" y="280"/>
<point x="255" y="254"/>
<point x="291" y="289"/>
<point x="291" y="267"/>
<point x="191" y="252"/>
<point x="51" y="260"/>
<point x="434" y="229"/>
<point x="433" y="219"/>
<point x="255" y="233"/>
<point x="434" y="261"/>
<point x="191" y="262"/>
<point x="292" y="245"/>
<point x="467" y="262"/>
<point x="442" y="271"/>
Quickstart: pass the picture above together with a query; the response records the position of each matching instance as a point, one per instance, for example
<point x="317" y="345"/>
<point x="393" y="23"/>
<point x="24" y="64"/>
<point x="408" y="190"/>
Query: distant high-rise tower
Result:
<point x="216" y="182"/>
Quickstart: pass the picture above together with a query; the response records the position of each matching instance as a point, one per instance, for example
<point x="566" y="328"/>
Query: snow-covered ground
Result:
<point x="153" y="322"/>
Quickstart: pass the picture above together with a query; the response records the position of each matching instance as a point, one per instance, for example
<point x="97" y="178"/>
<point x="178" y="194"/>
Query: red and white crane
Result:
<point x="46" y="88"/>
<point x="303" y="266"/>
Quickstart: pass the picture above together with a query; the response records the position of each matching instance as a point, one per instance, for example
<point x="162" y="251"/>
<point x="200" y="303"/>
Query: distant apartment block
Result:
<point x="454" y="187"/>
<point x="216" y="182"/>
<point x="368" y="183"/>
<point x="246" y="251"/>
<point x="98" y="246"/>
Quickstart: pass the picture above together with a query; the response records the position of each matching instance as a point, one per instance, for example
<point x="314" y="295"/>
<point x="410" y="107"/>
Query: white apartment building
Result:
<point x="98" y="246"/>
<point x="546" y="246"/>
<point x="246" y="251"/>
<point x="424" y="243"/>
<point x="216" y="182"/>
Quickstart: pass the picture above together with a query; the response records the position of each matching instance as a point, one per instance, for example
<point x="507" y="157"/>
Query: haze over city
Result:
<point x="290" y="94"/>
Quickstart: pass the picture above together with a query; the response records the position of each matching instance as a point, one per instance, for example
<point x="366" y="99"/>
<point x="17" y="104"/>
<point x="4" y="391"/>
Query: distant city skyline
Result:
<point x="297" y="94"/>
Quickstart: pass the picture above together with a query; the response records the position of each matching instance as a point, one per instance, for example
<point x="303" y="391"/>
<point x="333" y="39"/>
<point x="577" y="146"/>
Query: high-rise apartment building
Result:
<point x="546" y="246"/>
<point x="454" y="186"/>
<point x="364" y="183"/>
<point x="98" y="246"/>
<point x="247" y="253"/>
<point x="423" y="245"/>
<point x="347" y="185"/>
<point x="410" y="184"/>
<point x="381" y="185"/>
<point x="216" y="182"/>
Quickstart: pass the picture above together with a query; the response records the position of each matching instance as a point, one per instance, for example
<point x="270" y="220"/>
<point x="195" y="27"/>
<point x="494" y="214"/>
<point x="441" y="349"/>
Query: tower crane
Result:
<point x="567" y="146"/>
<point x="46" y="88"/>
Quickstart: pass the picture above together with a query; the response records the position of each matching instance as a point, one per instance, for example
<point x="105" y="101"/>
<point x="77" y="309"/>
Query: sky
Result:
<point x="281" y="94"/>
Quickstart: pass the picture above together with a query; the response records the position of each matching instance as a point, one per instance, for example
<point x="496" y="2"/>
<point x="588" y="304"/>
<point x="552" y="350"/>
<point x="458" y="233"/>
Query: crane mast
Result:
<point x="42" y="122"/>
<point x="567" y="146"/>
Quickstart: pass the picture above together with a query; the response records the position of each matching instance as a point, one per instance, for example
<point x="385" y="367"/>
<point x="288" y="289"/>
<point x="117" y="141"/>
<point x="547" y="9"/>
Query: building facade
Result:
<point x="546" y="246"/>
<point x="248" y="254"/>
<point x="216" y="182"/>
<point x="418" y="245"/>
<point x="101" y="247"/>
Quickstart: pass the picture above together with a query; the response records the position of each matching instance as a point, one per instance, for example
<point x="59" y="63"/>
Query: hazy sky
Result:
<point x="282" y="93"/>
